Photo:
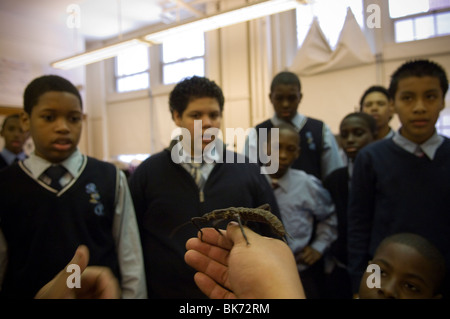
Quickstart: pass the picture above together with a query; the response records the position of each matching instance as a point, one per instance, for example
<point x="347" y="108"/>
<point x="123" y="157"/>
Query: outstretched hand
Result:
<point x="229" y="268"/>
<point x="96" y="282"/>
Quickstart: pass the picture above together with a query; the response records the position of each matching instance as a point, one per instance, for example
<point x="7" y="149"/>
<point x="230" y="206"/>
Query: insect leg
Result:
<point x="238" y="219"/>
<point x="215" y="225"/>
<point x="195" y="221"/>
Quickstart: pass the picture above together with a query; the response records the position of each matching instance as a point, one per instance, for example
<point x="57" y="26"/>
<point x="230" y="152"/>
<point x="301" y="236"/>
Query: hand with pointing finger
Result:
<point x="96" y="282"/>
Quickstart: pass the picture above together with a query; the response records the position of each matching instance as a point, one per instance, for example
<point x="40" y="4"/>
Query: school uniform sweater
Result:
<point x="43" y="228"/>
<point x="311" y="146"/>
<point x="166" y="197"/>
<point x="395" y="191"/>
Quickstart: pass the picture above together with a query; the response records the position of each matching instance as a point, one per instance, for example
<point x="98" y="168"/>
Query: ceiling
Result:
<point x="105" y="19"/>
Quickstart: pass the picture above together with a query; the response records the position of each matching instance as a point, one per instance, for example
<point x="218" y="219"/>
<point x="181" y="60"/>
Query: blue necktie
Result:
<point x="55" y="172"/>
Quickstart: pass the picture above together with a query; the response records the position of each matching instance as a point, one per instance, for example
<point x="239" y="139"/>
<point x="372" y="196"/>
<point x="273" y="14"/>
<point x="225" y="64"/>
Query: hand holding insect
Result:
<point x="230" y="268"/>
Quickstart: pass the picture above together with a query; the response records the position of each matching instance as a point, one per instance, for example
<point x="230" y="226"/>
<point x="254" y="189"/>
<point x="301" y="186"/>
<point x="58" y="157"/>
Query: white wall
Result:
<point x="27" y="46"/>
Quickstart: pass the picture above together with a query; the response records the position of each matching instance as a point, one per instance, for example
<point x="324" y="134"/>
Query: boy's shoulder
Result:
<point x="301" y="177"/>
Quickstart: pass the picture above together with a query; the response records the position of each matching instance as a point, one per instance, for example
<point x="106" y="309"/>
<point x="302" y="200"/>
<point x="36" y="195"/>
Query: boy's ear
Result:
<point x="391" y="105"/>
<point x="25" y="121"/>
<point x="176" y="117"/>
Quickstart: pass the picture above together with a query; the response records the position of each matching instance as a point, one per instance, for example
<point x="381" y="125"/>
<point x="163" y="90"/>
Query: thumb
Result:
<point x="57" y="288"/>
<point x="81" y="258"/>
<point x="235" y="234"/>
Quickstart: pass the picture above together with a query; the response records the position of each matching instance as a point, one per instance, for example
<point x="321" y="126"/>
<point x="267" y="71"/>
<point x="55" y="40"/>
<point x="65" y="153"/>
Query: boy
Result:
<point x="375" y="101"/>
<point x="307" y="211"/>
<point x="320" y="153"/>
<point x="356" y="130"/>
<point x="168" y="189"/>
<point x="14" y="139"/>
<point x="401" y="184"/>
<point x="45" y="216"/>
<point x="410" y="268"/>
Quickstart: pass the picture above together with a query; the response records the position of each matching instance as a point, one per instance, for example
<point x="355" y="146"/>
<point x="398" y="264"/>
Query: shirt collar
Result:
<point x="429" y="147"/>
<point x="37" y="165"/>
<point x="213" y="156"/>
<point x="298" y="121"/>
<point x="10" y="156"/>
<point x="283" y="182"/>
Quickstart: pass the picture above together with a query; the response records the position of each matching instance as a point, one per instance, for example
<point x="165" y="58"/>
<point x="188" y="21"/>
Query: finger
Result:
<point x="216" y="253"/>
<point x="202" y="263"/>
<point x="234" y="233"/>
<point x="57" y="288"/>
<point x="99" y="283"/>
<point x="211" y="288"/>
<point x="211" y="236"/>
<point x="81" y="257"/>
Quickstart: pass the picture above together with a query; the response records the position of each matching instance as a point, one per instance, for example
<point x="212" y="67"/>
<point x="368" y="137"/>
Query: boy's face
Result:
<point x="207" y="110"/>
<point x="354" y="134"/>
<point x="285" y="99"/>
<point x="288" y="151"/>
<point x="14" y="135"/>
<point x="377" y="105"/>
<point x="405" y="274"/>
<point x="55" y="125"/>
<point x="418" y="102"/>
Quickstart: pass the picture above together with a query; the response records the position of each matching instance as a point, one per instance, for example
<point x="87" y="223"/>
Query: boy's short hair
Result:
<point x="44" y="84"/>
<point x="286" y="78"/>
<point x="418" y="68"/>
<point x="369" y="119"/>
<point x="284" y="126"/>
<point x="373" y="88"/>
<point x="191" y="88"/>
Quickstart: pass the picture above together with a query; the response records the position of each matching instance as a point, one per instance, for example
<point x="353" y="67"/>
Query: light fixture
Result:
<point x="255" y="10"/>
<point x="96" y="55"/>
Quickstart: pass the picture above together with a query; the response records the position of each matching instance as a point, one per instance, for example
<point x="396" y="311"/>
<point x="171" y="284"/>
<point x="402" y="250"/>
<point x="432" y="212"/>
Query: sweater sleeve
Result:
<point x="360" y="216"/>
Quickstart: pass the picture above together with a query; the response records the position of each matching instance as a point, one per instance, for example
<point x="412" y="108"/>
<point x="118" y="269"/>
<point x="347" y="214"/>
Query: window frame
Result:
<point x="118" y="77"/>
<point x="162" y="64"/>
<point x="432" y="13"/>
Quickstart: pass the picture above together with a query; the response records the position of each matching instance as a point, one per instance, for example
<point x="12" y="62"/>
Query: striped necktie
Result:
<point x="196" y="173"/>
<point x="55" y="172"/>
<point x="419" y="152"/>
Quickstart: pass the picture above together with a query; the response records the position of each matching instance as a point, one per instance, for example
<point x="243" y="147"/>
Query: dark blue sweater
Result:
<point x="165" y="196"/>
<point x="395" y="191"/>
<point x="43" y="230"/>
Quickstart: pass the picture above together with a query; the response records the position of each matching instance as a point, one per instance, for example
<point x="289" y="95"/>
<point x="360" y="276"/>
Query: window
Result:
<point x="331" y="15"/>
<point x="132" y="69"/>
<point x="419" y="19"/>
<point x="183" y="56"/>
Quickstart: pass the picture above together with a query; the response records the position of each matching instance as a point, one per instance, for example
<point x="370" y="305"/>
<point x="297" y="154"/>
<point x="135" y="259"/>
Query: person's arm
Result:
<point x="96" y="282"/>
<point x="3" y="257"/>
<point x="128" y="243"/>
<point x="360" y="217"/>
<point x="321" y="205"/>
<point x="331" y="159"/>
<point x="229" y="268"/>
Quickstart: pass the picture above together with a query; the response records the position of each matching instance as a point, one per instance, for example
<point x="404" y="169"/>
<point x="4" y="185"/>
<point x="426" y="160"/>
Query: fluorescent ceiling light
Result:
<point x="96" y="55"/>
<point x="255" y="10"/>
<point x="249" y="12"/>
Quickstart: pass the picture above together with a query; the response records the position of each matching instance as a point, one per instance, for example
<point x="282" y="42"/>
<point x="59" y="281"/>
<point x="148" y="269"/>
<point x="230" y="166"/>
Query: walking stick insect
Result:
<point x="242" y="215"/>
